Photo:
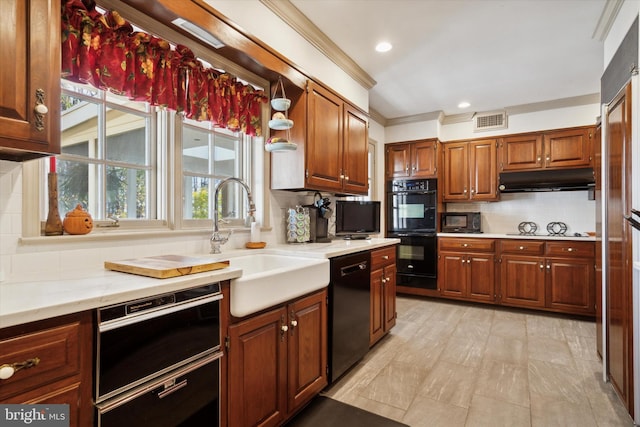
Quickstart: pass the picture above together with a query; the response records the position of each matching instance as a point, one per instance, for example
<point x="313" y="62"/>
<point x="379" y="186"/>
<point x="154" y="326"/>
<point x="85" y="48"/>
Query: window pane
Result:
<point x="195" y="150"/>
<point x="126" y="191"/>
<point x="129" y="146"/>
<point x="196" y="198"/>
<point x="74" y="187"/>
<point x="226" y="154"/>
<point x="79" y="126"/>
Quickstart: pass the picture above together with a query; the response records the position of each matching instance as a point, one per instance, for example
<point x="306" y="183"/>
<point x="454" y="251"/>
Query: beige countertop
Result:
<point x="64" y="293"/>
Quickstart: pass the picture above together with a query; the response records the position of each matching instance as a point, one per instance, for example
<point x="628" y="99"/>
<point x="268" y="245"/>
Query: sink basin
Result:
<point x="268" y="280"/>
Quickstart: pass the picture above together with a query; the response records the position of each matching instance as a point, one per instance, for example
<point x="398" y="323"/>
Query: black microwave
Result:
<point x="461" y="222"/>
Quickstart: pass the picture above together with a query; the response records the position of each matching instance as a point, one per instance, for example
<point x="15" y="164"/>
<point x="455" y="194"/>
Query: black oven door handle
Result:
<point x="635" y="212"/>
<point x="152" y="314"/>
<point x="120" y="400"/>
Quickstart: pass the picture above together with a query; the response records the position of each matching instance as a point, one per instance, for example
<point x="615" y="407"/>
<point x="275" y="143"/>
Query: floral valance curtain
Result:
<point x="104" y="51"/>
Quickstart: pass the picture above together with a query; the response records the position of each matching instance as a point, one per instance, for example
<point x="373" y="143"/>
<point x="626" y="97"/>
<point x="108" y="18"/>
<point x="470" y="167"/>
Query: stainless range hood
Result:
<point x="547" y="180"/>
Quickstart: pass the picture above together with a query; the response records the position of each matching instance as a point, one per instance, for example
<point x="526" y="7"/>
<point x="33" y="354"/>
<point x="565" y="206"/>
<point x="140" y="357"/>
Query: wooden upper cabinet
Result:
<point x="569" y="148"/>
<point x="522" y="152"/>
<point x="324" y="139"/>
<point x="417" y="159"/>
<point x="355" y="156"/>
<point x="469" y="171"/>
<point x="456" y="171"/>
<point x="561" y="149"/>
<point x="333" y="146"/>
<point x="30" y="79"/>
<point x="483" y="170"/>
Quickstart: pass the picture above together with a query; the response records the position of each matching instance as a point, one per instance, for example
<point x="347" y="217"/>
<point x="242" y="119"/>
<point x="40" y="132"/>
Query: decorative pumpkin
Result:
<point x="77" y="221"/>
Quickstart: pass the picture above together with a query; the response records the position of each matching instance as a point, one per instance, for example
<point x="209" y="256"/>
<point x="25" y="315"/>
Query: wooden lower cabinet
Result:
<point x="383" y="293"/>
<point x="466" y="269"/>
<point x="522" y="273"/>
<point x="277" y="362"/>
<point x="552" y="275"/>
<point x="63" y="374"/>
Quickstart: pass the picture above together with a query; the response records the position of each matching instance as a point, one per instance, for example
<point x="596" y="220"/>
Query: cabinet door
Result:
<point x="569" y="148"/>
<point x="324" y="140"/>
<point x="307" y="354"/>
<point x="376" y="329"/>
<point x="424" y="159"/>
<point x="452" y="274"/>
<point x="481" y="277"/>
<point x="483" y="174"/>
<point x="522" y="281"/>
<point x="355" y="152"/>
<point x="389" y="297"/>
<point x="398" y="161"/>
<point x="521" y="152"/>
<point x="571" y="285"/>
<point x="257" y="369"/>
<point x="30" y="75"/>
<point x="456" y="171"/>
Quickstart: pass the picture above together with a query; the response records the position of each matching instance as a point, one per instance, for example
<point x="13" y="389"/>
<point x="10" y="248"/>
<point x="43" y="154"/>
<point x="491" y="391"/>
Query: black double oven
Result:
<point x="412" y="216"/>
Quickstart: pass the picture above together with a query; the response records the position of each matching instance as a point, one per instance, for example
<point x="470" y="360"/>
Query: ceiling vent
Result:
<point x="198" y="32"/>
<point x="489" y="121"/>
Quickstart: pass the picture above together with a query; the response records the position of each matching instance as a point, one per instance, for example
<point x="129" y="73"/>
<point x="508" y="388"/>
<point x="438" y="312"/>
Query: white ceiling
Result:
<point x="492" y="53"/>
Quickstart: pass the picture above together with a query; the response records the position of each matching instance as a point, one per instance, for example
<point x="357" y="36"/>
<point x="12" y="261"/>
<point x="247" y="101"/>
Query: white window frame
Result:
<point x="256" y="172"/>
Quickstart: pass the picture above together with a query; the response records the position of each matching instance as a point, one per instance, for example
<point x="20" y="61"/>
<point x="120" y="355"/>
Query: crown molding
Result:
<point x="293" y="17"/>
<point x="575" y="101"/>
<point x="607" y="18"/>
<point x="377" y="117"/>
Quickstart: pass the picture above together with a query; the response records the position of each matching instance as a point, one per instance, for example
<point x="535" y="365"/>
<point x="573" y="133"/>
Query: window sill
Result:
<point x="111" y="235"/>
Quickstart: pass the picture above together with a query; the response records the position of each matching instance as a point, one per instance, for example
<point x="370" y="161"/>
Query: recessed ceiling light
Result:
<point x="383" y="47"/>
<point x="464" y="104"/>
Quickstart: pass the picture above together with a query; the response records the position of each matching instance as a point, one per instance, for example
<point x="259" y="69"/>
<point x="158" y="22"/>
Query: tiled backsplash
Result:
<point x="571" y="207"/>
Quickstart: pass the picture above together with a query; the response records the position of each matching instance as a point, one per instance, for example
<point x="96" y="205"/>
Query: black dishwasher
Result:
<point x="349" y="308"/>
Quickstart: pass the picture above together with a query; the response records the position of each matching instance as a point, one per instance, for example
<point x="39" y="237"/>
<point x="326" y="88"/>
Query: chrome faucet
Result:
<point x="216" y="239"/>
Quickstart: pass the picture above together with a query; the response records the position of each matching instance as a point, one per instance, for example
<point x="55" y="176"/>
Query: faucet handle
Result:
<point x="217" y="240"/>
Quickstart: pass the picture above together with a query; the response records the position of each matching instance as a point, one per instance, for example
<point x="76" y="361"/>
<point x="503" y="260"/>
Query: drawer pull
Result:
<point x="7" y="370"/>
<point x="522" y="248"/>
<point x="569" y="249"/>
<point x="465" y="245"/>
<point x="385" y="257"/>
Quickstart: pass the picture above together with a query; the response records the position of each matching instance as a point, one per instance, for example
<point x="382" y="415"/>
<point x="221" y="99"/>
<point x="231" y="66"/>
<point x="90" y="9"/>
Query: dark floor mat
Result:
<point x="326" y="412"/>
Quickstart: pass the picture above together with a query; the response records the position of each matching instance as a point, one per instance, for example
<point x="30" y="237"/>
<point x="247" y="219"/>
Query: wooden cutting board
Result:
<point x="164" y="266"/>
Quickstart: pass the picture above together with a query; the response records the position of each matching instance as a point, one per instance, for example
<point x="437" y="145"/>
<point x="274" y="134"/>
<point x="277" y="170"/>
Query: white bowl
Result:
<point x="280" y="104"/>
<point x="280" y="124"/>
<point x="281" y="146"/>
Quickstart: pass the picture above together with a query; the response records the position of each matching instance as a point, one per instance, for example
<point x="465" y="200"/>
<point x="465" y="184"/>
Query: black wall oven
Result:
<point x="411" y="216"/>
<point x="158" y="360"/>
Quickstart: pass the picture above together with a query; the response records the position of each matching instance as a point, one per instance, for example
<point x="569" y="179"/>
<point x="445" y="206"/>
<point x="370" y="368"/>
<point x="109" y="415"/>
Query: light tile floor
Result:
<point x="454" y="364"/>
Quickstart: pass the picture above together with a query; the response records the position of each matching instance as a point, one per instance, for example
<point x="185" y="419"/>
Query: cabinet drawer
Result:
<point x="574" y="249"/>
<point x="382" y="257"/>
<point x="466" y="244"/>
<point x="59" y="353"/>
<point x="528" y="247"/>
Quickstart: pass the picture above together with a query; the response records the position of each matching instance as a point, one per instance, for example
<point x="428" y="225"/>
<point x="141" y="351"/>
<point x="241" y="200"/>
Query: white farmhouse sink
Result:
<point x="268" y="280"/>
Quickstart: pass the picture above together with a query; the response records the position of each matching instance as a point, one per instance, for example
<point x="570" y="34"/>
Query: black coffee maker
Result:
<point x="319" y="214"/>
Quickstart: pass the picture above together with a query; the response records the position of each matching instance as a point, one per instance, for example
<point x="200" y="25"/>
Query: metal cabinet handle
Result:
<point x="294" y="323"/>
<point x="465" y="190"/>
<point x="284" y="328"/>
<point x="541" y="266"/>
<point x="522" y="248"/>
<point x="538" y="159"/>
<point x="385" y="257"/>
<point x="569" y="249"/>
<point x="465" y="245"/>
<point x="40" y="110"/>
<point x="548" y="266"/>
<point x="172" y="388"/>
<point x="473" y="190"/>
<point x="8" y="369"/>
